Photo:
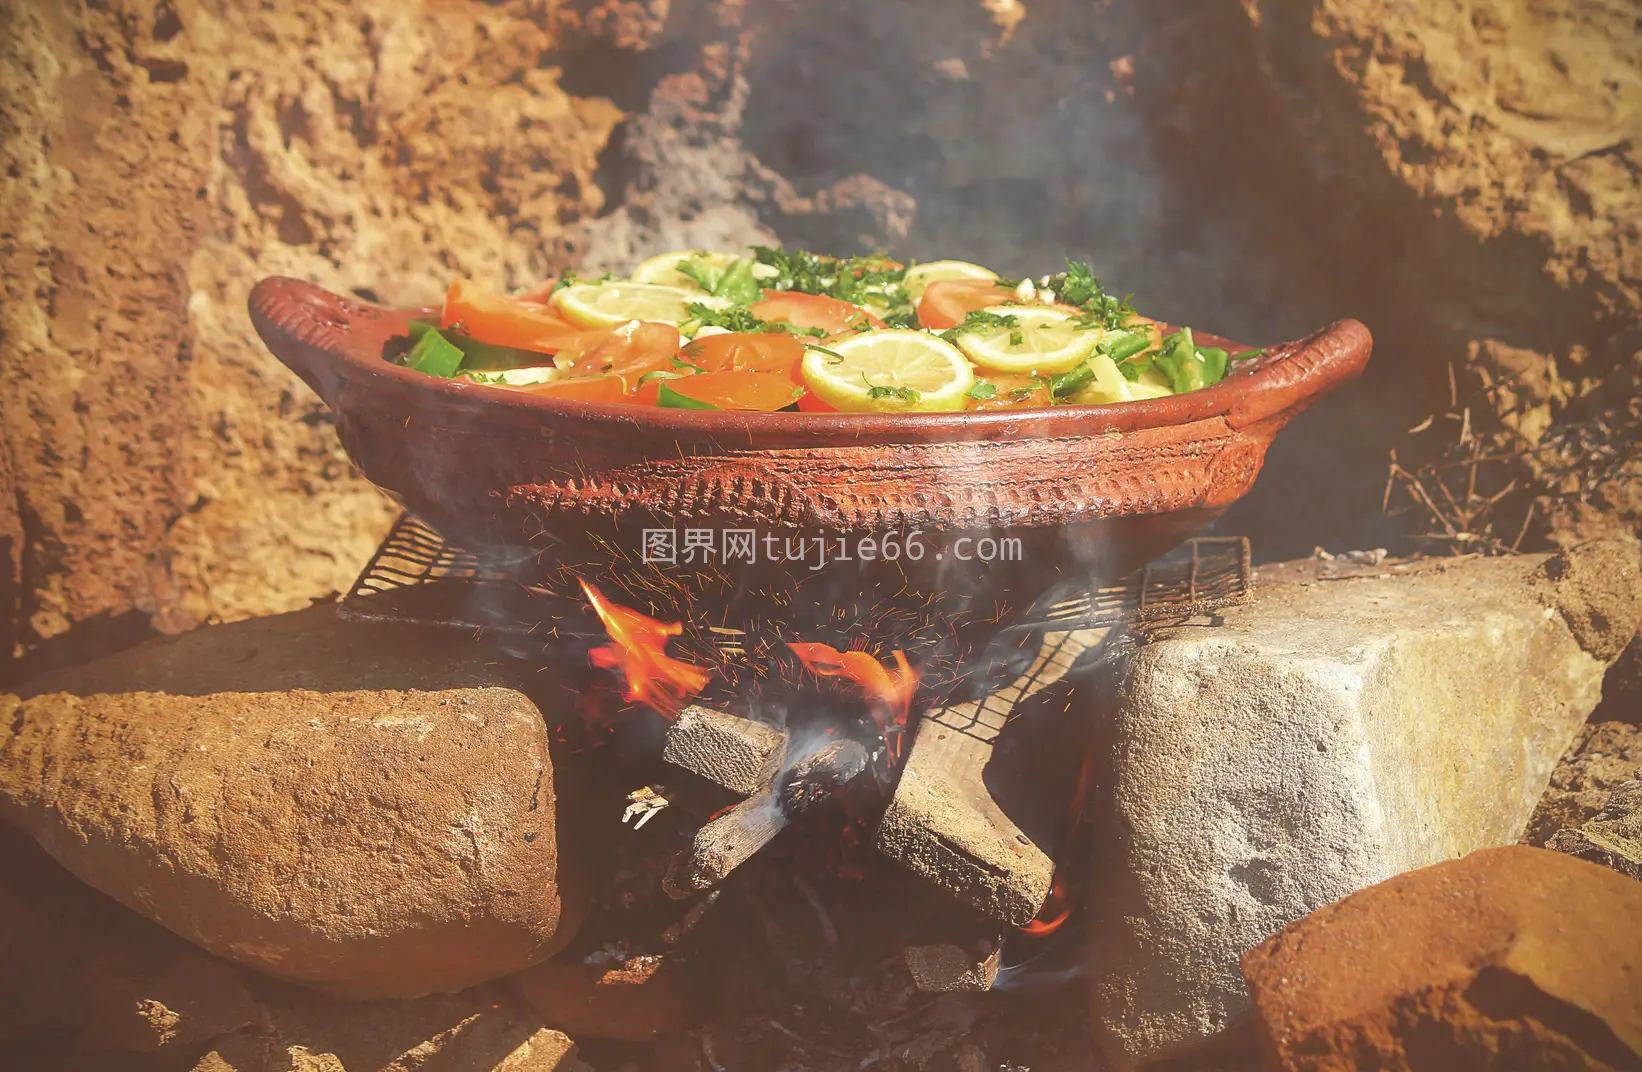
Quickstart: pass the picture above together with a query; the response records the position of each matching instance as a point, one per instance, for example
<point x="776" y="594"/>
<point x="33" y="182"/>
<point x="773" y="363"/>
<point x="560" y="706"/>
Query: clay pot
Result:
<point x="1093" y="489"/>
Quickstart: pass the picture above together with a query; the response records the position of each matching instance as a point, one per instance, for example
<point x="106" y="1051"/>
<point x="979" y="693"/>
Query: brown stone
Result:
<point x="632" y="999"/>
<point x="158" y="158"/>
<point x="1612" y="837"/>
<point x="1604" y="756"/>
<point x="364" y="808"/>
<point x="1509" y="958"/>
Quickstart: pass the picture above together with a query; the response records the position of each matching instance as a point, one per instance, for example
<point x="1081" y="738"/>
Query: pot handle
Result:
<point x="1289" y="377"/>
<point x="316" y="333"/>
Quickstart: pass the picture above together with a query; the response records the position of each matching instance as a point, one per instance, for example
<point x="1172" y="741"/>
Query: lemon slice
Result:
<point x="663" y="268"/>
<point x="603" y="305"/>
<point x="920" y="276"/>
<point x="1043" y="341"/>
<point x="891" y="371"/>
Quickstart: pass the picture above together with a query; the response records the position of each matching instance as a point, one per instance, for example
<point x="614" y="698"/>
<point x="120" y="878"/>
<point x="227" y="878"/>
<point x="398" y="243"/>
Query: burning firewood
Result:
<point x="732" y="837"/>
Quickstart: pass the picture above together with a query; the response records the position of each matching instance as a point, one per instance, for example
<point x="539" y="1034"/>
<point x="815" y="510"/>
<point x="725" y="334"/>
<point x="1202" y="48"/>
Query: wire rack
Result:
<point x="1202" y="575"/>
<point x="418" y="577"/>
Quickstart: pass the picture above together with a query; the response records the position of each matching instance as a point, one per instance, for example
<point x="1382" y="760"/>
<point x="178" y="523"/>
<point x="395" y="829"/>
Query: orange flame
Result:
<point x="1060" y="903"/>
<point x="893" y="691"/>
<point x="653" y="677"/>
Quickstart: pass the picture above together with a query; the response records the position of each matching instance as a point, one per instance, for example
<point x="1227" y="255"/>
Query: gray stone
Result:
<point x="1612" y="837"/>
<point x="368" y="809"/>
<point x="1316" y="741"/>
<point x="737" y="753"/>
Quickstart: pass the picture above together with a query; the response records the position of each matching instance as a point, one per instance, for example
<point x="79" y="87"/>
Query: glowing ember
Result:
<point x="890" y="691"/>
<point x="639" y="651"/>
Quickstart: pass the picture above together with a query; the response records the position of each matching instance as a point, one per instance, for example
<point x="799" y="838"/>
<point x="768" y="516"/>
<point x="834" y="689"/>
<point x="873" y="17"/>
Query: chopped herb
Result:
<point x="661" y="374"/>
<point x="678" y="364"/>
<point x="983" y="390"/>
<point x="671" y="399"/>
<point x="698" y="271"/>
<point x="978" y="319"/>
<point x="1079" y="286"/>
<point x="1022" y="392"/>
<point x="740" y="318"/>
<point x="868" y="281"/>
<point x="738" y="284"/>
<point x="735" y="318"/>
<point x="1249" y="355"/>
<point x="433" y="354"/>
<point x="833" y="356"/>
<point x="905" y="394"/>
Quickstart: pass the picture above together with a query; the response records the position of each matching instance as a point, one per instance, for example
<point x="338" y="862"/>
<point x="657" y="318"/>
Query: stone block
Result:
<point x="1318" y="740"/>
<point x="368" y="809"/>
<point x="737" y="753"/>
<point x="1510" y="958"/>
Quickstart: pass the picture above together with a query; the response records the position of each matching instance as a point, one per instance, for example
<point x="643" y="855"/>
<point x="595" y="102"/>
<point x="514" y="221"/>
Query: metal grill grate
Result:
<point x="1203" y="574"/>
<point x="418" y="577"/>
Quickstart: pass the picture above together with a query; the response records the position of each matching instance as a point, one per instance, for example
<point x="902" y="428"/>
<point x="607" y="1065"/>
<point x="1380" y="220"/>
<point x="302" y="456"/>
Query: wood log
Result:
<point x="729" y="840"/>
<point x="944" y="822"/>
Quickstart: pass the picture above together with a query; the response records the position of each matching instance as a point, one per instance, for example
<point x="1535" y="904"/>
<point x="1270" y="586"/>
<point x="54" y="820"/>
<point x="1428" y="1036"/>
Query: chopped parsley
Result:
<point x="904" y="394"/>
<point x="734" y="318"/>
<point x="1079" y="286"/>
<point x="981" y="391"/>
<point x="977" y="319"/>
<point x="873" y="281"/>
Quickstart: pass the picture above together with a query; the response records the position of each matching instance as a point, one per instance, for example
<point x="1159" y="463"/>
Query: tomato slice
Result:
<point x="765" y="392"/>
<point x="947" y="301"/>
<point x="503" y="321"/>
<point x="830" y="315"/>
<point x="1151" y="327"/>
<point x="626" y="351"/>
<point x="762" y="351"/>
<point x="1010" y="390"/>
<point x="583" y="389"/>
<point x="809" y="403"/>
<point x="538" y="294"/>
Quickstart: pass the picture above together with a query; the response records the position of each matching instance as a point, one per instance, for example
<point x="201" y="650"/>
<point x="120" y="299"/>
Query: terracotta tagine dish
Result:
<point x="1102" y="487"/>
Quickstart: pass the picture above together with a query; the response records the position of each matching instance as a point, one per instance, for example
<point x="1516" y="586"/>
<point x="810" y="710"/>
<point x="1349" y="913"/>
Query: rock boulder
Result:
<point x="1511" y="958"/>
<point x="1612" y="837"/>
<point x="368" y="809"/>
<point x="1323" y="737"/>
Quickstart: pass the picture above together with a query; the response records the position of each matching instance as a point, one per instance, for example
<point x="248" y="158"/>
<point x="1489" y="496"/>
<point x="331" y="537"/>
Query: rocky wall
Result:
<point x="161" y="468"/>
